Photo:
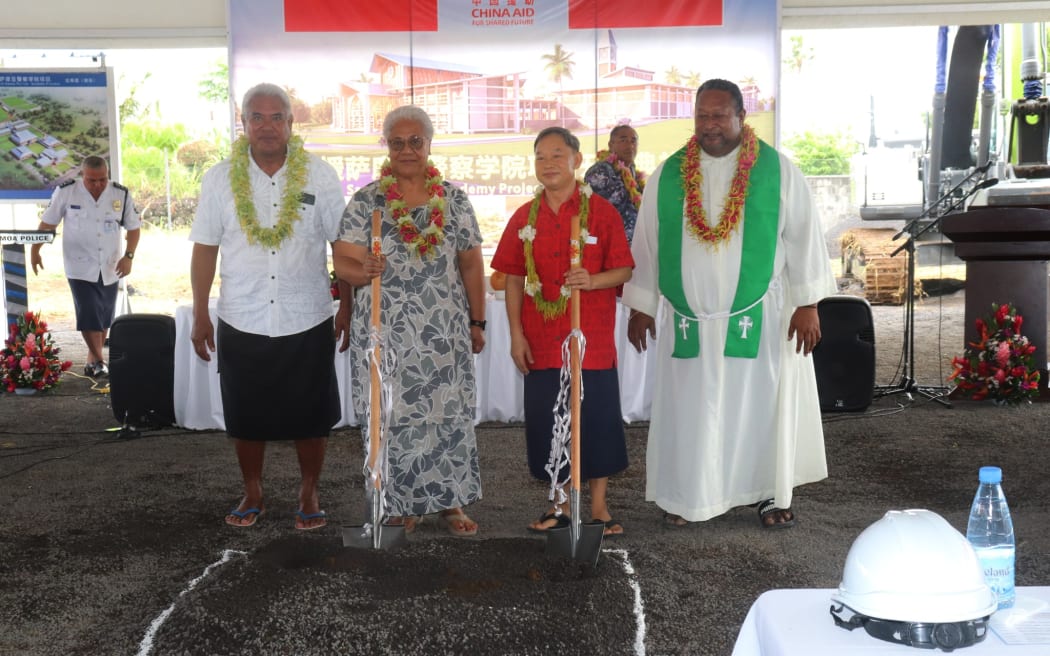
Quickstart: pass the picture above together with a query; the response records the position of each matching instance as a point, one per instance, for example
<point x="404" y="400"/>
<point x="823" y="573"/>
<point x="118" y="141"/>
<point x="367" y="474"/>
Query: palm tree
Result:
<point x="673" y="75"/>
<point x="559" y="67"/>
<point x="693" y="79"/>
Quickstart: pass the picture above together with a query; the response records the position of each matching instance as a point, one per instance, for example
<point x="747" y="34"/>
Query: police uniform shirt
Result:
<point x="91" y="239"/>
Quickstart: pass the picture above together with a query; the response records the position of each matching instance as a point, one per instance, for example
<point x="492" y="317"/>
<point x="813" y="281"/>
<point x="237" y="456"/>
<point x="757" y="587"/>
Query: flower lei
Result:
<point x="999" y="366"/>
<point x="693" y="177"/>
<point x="29" y="358"/>
<point x="533" y="287"/>
<point x="288" y="213"/>
<point x="423" y="242"/>
<point x="633" y="181"/>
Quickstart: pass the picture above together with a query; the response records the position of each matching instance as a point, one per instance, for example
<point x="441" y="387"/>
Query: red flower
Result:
<point x="30" y="358"/>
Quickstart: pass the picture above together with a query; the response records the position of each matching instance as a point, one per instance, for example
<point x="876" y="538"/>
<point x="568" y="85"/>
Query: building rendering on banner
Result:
<point x="465" y="100"/>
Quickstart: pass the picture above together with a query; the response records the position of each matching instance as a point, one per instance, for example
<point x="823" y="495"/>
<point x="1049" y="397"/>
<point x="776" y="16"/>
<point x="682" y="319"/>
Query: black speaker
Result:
<point x="845" y="357"/>
<point x="142" y="370"/>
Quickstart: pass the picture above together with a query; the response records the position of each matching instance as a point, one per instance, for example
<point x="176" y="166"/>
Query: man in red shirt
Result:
<point x="534" y="252"/>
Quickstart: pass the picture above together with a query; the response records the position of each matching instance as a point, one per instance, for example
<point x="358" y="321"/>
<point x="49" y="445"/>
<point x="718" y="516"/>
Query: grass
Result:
<point x="159" y="281"/>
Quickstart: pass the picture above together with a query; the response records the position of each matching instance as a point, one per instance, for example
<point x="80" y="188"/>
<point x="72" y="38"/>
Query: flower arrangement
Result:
<point x="333" y="285"/>
<point x="999" y="364"/>
<point x="30" y="358"/>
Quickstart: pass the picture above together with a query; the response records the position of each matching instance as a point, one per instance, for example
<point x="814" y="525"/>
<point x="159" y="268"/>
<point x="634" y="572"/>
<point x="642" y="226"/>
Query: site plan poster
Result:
<point x="493" y="73"/>
<point x="50" y="120"/>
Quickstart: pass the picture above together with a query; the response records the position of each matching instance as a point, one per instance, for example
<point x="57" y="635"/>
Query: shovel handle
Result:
<point x="376" y="395"/>
<point x="575" y="260"/>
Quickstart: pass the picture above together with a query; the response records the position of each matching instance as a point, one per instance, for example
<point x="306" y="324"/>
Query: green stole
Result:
<point x="760" y="221"/>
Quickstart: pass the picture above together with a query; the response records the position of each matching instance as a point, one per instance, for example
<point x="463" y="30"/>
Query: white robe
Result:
<point x="726" y="432"/>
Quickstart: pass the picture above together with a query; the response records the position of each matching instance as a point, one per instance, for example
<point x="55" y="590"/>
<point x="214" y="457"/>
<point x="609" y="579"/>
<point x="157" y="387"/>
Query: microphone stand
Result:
<point x="907" y="385"/>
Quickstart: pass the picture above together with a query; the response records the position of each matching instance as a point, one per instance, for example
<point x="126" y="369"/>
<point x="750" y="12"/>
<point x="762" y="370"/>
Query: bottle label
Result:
<point x="998" y="566"/>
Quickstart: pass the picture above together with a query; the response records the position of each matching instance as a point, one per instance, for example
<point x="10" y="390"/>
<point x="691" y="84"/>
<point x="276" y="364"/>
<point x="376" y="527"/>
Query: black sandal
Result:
<point x="608" y="527"/>
<point x="768" y="508"/>
<point x="560" y="521"/>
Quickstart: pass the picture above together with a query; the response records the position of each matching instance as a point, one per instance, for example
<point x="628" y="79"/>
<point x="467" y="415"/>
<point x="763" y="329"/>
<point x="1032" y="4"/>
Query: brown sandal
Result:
<point x="457" y="522"/>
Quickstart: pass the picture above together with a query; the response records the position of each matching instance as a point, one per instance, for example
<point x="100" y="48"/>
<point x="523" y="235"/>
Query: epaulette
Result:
<point x="67" y="183"/>
<point x="117" y="185"/>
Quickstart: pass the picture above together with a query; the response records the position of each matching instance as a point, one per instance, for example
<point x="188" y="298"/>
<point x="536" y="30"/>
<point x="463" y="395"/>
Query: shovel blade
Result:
<point x="588" y="546"/>
<point x="384" y="538"/>
<point x="375" y="535"/>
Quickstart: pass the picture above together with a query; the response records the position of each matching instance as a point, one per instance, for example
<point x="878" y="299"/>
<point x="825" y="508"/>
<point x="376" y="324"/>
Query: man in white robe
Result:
<point x="731" y="431"/>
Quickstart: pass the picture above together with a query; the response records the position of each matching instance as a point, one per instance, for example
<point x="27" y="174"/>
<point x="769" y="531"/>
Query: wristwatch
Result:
<point x="480" y="323"/>
<point x="129" y="254"/>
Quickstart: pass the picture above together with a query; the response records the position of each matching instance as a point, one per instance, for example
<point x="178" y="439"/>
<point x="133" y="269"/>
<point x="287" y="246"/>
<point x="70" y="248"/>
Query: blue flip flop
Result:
<point x="256" y="513"/>
<point x="306" y="517"/>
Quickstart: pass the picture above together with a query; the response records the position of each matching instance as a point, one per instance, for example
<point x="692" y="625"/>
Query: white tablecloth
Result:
<point x="500" y="384"/>
<point x="198" y="403"/>
<point x="797" y="623"/>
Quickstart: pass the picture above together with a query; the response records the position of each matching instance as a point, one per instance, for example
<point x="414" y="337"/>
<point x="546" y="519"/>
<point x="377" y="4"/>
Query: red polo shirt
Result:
<point x="607" y="248"/>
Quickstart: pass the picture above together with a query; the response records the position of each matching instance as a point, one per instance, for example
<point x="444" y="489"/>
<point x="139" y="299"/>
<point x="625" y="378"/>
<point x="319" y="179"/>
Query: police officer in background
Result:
<point x="94" y="210"/>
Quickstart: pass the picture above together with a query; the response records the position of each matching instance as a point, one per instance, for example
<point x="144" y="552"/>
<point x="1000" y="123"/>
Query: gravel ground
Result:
<point x="111" y="546"/>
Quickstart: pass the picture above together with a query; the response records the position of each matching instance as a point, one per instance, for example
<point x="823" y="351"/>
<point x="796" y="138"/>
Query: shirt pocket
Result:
<point x="77" y="220"/>
<point x="308" y="225"/>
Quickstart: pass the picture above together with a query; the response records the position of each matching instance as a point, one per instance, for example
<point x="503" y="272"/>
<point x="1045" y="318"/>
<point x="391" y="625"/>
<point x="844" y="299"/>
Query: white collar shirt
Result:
<point x="91" y="239"/>
<point x="277" y="291"/>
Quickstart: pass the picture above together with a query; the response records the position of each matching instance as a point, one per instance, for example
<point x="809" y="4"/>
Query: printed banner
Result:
<point x="493" y="73"/>
<point x="50" y="120"/>
<point x="599" y="14"/>
<point x="360" y="16"/>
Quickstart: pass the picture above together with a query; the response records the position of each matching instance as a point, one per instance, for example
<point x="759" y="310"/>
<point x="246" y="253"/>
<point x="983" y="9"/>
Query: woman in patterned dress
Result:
<point x="433" y="312"/>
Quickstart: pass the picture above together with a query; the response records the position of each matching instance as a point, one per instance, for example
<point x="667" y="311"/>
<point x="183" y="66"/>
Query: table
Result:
<point x="797" y="623"/>
<point x="198" y="400"/>
<point x="198" y="403"/>
<point x="500" y="384"/>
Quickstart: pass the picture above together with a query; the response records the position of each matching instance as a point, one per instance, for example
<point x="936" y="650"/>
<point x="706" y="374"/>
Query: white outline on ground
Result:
<point x="639" y="607"/>
<point x="147" y="640"/>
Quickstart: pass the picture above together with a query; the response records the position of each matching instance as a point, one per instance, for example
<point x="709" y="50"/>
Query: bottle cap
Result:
<point x="991" y="475"/>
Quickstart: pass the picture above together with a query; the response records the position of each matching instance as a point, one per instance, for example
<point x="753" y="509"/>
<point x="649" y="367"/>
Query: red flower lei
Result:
<point x="693" y="177"/>
<point x="423" y="242"/>
<point x="633" y="181"/>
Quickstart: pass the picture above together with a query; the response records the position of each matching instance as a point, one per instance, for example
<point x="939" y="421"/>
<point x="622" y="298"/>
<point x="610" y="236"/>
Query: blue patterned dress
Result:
<point x="433" y="452"/>
<point x="607" y="183"/>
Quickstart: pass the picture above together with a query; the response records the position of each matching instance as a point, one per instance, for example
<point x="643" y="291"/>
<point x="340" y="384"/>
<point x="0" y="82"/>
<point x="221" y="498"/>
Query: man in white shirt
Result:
<point x="270" y="209"/>
<point x="95" y="210"/>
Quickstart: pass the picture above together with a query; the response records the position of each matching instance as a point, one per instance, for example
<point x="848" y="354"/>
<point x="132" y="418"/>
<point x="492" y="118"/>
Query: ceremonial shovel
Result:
<point x="376" y="536"/>
<point x="579" y="540"/>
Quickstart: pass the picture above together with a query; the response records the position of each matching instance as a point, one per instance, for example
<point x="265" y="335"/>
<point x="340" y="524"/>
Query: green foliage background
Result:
<point x="820" y="153"/>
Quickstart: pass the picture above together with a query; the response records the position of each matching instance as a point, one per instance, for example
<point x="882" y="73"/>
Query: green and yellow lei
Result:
<point x="533" y="287"/>
<point x="288" y="213"/>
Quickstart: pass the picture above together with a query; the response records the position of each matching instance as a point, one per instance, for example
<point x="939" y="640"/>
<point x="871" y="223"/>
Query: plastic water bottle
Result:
<point x="991" y="532"/>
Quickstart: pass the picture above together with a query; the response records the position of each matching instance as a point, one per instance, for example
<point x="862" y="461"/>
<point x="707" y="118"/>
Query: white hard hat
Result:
<point x="912" y="568"/>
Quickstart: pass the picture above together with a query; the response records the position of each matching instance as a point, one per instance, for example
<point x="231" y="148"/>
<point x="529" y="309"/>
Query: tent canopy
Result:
<point x="194" y="23"/>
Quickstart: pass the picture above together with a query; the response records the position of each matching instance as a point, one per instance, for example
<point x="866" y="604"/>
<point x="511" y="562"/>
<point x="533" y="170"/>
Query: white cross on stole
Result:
<point x="743" y="324"/>
<point x="683" y="325"/>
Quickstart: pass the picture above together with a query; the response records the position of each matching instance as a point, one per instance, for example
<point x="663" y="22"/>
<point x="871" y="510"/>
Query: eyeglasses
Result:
<point x="415" y="142"/>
